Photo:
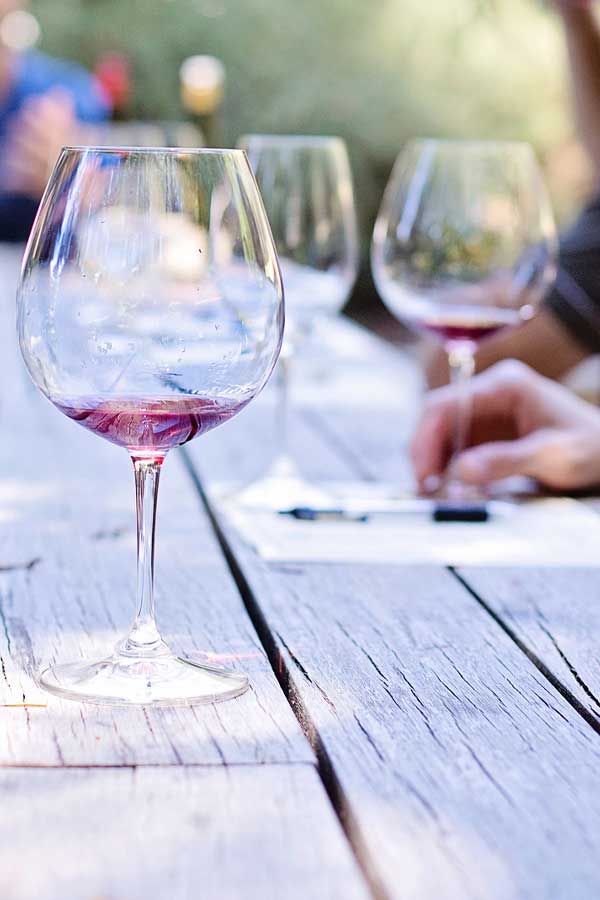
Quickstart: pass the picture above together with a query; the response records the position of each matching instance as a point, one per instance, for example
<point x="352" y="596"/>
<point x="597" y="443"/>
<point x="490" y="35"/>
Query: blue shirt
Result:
<point x="34" y="74"/>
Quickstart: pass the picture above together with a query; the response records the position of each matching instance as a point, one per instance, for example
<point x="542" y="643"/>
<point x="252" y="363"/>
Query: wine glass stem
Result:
<point x="144" y="639"/>
<point x="461" y="357"/>
<point x="284" y="460"/>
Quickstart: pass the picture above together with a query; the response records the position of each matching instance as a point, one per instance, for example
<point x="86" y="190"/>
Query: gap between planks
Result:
<point x="367" y="471"/>
<point x="531" y="656"/>
<point x="325" y="769"/>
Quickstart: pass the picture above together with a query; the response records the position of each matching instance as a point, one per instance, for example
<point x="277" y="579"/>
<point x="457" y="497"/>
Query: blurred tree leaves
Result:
<point x="375" y="72"/>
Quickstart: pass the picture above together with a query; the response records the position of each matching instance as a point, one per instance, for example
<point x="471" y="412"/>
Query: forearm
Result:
<point x="543" y="343"/>
<point x="583" y="45"/>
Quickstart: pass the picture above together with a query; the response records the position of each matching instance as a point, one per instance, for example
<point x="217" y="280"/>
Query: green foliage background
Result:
<point x="374" y="71"/>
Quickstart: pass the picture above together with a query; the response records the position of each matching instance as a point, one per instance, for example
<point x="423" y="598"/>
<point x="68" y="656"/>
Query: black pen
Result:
<point x="440" y="511"/>
<point x="311" y="514"/>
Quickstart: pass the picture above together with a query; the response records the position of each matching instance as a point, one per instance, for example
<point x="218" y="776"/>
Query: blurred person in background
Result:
<point x="567" y="328"/>
<point x="44" y="104"/>
<point x="525" y="424"/>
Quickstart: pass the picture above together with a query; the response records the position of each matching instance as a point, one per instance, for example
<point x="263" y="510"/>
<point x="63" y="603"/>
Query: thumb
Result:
<point x="501" y="459"/>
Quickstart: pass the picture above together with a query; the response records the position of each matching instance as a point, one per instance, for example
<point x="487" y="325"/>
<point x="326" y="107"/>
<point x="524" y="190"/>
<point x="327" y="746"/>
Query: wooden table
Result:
<point x="411" y="732"/>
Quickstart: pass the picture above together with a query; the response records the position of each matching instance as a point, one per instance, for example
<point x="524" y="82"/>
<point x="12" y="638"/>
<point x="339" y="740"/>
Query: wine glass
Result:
<point x="306" y="186"/>
<point x="150" y="310"/>
<point x="464" y="246"/>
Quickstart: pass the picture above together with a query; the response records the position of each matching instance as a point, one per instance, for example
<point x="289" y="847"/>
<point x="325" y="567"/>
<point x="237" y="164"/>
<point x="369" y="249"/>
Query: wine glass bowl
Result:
<point x="306" y="185"/>
<point x="464" y="245"/>
<point x="150" y="310"/>
<point x="465" y="238"/>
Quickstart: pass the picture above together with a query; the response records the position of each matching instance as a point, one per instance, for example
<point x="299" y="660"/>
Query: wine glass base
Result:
<point x="275" y="492"/>
<point x="120" y="680"/>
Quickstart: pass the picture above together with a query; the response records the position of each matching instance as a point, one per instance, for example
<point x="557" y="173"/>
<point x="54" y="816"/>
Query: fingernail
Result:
<point x="470" y="467"/>
<point x="431" y="484"/>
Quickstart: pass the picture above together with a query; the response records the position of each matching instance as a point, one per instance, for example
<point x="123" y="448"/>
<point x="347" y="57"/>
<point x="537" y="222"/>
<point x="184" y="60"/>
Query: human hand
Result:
<point x="36" y="135"/>
<point x="522" y="424"/>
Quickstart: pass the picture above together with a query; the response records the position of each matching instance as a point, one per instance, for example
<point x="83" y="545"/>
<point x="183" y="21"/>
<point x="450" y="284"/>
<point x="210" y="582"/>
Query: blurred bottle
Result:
<point x="113" y="74"/>
<point x="202" y="84"/>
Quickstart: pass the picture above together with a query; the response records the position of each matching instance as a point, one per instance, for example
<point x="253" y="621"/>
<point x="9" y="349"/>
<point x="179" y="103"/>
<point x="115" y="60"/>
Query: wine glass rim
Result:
<point x="171" y="151"/>
<point x="470" y="143"/>
<point x="293" y="139"/>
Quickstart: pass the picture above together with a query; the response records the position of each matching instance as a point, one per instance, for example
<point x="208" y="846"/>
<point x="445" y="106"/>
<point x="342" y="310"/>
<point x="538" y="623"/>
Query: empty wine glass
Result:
<point x="464" y="245"/>
<point x="149" y="311"/>
<point x="306" y="186"/>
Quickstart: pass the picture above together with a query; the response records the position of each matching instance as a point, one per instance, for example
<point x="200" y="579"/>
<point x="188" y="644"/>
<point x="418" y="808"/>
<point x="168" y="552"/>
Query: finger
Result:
<point x="43" y="115"/>
<point x="495" y="398"/>
<point x="50" y="101"/>
<point x="430" y="443"/>
<point x="24" y="146"/>
<point x="501" y="459"/>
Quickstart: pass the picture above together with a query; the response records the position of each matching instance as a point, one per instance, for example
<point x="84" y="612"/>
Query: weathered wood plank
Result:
<point x="458" y="767"/>
<point x="176" y="833"/>
<point x="67" y="571"/>
<point x="555" y="614"/>
<point x="460" y="770"/>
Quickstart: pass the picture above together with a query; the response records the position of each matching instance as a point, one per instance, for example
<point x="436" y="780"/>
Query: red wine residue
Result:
<point x="151" y="425"/>
<point x="473" y="333"/>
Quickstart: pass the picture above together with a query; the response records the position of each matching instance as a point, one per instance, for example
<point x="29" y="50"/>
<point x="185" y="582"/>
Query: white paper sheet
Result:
<point x="545" y="532"/>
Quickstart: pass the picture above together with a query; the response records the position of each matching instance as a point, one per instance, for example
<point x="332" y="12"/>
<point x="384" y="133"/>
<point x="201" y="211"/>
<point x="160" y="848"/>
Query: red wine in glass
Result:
<point x="150" y="426"/>
<point x="468" y="326"/>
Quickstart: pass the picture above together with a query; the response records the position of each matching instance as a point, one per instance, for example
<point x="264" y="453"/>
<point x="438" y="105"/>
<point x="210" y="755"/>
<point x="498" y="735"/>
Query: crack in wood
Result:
<point x="570" y="666"/>
<point x="325" y="768"/>
<point x="5" y="625"/>
<point x="21" y="567"/>
<point x="369" y="738"/>
<point x="362" y="650"/>
<point x="301" y="669"/>
<point x="537" y="662"/>
<point x="489" y="776"/>
<point x="420" y="705"/>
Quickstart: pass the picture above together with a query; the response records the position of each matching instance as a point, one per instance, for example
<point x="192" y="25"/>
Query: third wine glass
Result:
<point x="464" y="245"/>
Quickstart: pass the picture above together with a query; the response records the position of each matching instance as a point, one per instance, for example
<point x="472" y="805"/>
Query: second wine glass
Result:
<point x="464" y="246"/>
<point x="306" y="186"/>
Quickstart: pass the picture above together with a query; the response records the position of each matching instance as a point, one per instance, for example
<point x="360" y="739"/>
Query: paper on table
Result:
<point x="548" y="532"/>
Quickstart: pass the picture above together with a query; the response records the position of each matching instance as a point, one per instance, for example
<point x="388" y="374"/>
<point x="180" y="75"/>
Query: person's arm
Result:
<point x="522" y="424"/>
<point x="583" y="44"/>
<point x="543" y="343"/>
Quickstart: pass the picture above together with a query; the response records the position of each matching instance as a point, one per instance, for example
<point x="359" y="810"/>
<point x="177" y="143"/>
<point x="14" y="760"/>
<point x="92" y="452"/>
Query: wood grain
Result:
<point x="172" y="834"/>
<point x="555" y="615"/>
<point x="458" y="768"/>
